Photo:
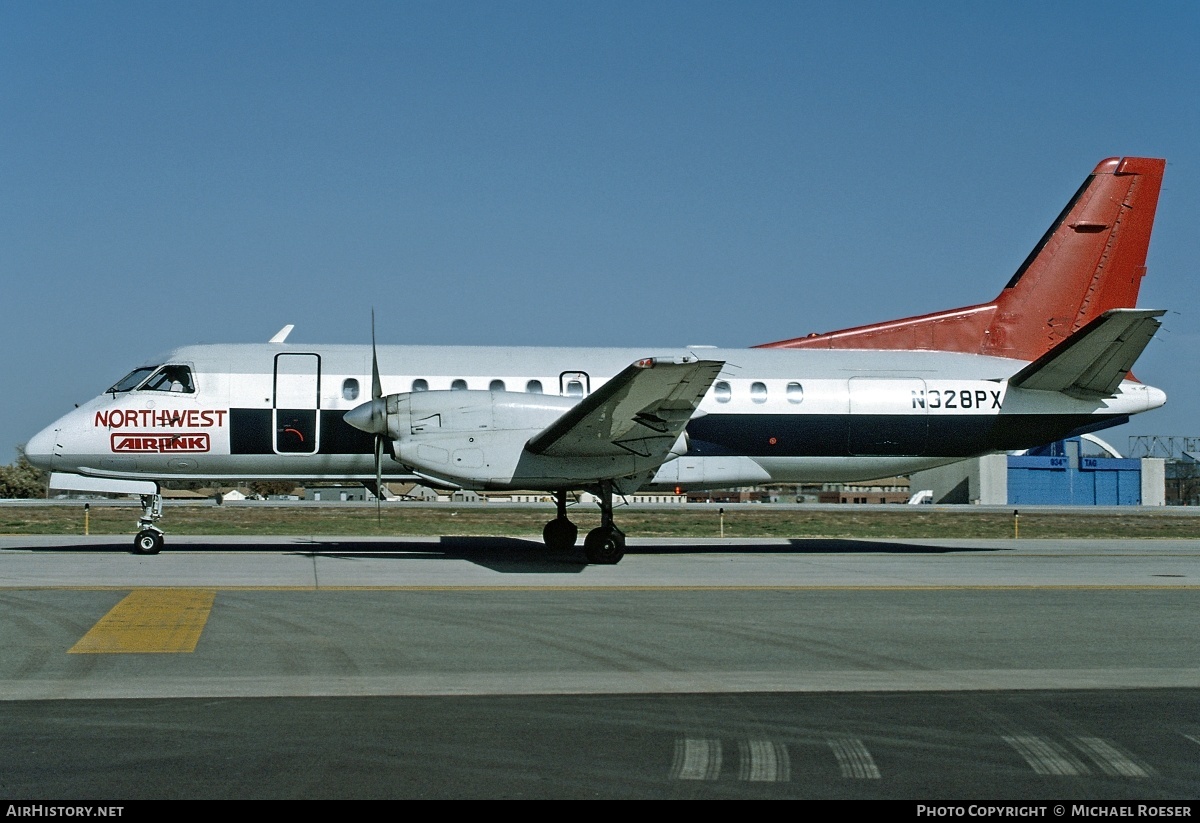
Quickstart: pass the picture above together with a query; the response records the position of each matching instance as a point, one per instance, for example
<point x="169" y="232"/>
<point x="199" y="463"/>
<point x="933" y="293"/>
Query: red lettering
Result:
<point x="159" y="444"/>
<point x="164" y="419"/>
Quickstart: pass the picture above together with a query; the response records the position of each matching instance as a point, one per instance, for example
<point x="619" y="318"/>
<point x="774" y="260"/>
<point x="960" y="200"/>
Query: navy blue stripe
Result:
<point x="840" y="435"/>
<point x="250" y="433"/>
<point x="772" y="435"/>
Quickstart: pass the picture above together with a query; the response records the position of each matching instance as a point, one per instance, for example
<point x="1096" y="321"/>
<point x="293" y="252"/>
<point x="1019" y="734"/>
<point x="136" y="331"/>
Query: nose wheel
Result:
<point x="148" y="541"/>
<point x="149" y="538"/>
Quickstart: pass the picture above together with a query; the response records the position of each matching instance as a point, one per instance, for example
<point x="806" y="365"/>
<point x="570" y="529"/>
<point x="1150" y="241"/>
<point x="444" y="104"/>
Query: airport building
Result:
<point x="1079" y="471"/>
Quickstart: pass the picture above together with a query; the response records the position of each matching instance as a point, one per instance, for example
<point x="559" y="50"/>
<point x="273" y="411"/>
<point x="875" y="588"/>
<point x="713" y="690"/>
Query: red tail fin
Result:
<point x="1092" y="259"/>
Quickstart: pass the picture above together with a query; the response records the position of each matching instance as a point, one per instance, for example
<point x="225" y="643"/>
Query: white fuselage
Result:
<point x="773" y="415"/>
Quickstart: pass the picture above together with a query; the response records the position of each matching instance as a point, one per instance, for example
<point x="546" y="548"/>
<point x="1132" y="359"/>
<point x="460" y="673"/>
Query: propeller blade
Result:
<point x="378" y="477"/>
<point x="376" y="384"/>
<point x="371" y="417"/>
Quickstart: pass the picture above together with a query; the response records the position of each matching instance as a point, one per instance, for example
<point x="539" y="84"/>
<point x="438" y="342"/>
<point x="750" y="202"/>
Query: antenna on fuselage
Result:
<point x="282" y="334"/>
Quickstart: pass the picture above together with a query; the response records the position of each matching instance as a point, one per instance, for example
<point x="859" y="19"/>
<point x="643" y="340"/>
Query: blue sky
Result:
<point x="529" y="173"/>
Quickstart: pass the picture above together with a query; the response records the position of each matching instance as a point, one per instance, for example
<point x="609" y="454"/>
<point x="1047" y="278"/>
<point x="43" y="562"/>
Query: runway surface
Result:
<point x="488" y="667"/>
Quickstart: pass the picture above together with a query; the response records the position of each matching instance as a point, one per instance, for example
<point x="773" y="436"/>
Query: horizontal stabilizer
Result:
<point x="1093" y="362"/>
<point x="642" y="411"/>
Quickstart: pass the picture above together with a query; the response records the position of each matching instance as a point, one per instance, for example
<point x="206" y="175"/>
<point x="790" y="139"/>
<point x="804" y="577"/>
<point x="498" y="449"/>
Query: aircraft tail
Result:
<point x="1091" y="260"/>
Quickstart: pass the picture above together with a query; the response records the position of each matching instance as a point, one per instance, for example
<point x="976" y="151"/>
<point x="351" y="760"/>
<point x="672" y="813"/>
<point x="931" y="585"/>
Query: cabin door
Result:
<point x="887" y="417"/>
<point x="296" y="410"/>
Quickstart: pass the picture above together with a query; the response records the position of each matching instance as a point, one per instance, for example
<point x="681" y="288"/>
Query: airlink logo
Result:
<point x="160" y="443"/>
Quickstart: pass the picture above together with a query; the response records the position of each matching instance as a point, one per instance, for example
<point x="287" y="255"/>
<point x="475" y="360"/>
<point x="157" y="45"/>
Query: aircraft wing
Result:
<point x="643" y="411"/>
<point x="1093" y="361"/>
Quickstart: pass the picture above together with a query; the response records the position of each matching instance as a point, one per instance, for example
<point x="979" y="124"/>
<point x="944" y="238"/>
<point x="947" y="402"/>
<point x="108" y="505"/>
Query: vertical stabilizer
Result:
<point x="1091" y="259"/>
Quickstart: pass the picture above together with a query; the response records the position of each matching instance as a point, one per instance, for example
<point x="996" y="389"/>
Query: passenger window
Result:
<point x="420" y="384"/>
<point x="758" y="392"/>
<point x="534" y="387"/>
<point x="795" y="392"/>
<point x="171" y="379"/>
<point x="458" y="385"/>
<point x="496" y="385"/>
<point x="349" y="389"/>
<point x="574" y="388"/>
<point x="722" y="391"/>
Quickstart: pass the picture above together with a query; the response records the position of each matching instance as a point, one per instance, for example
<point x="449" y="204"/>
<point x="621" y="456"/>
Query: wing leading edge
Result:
<point x="641" y="411"/>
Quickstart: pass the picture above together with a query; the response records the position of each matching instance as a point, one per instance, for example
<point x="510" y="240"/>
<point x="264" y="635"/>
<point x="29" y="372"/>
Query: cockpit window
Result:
<point x="172" y="379"/>
<point x="130" y="381"/>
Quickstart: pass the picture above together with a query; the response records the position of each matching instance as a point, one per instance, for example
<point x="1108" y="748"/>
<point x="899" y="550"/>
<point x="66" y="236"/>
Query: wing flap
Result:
<point x="643" y="411"/>
<point x="1093" y="361"/>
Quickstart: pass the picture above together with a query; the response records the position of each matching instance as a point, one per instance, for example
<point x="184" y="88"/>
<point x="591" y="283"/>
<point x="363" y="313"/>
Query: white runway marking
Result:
<point x="696" y="759"/>
<point x="763" y="761"/>
<point x="1111" y="760"/>
<point x="1046" y="756"/>
<point x="853" y="758"/>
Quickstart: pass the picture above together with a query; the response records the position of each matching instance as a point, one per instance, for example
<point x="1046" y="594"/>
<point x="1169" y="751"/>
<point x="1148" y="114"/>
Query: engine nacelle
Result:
<point x="475" y="438"/>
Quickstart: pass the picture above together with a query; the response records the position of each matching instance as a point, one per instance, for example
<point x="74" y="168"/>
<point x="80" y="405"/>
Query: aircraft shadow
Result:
<point x="505" y="555"/>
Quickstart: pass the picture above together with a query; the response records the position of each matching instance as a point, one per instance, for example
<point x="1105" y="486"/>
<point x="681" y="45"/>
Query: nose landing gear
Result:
<point x="150" y="537"/>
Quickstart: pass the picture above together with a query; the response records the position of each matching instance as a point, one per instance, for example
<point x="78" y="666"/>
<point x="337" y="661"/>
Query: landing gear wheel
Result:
<point x="148" y="541"/>
<point x="604" y="545"/>
<point x="560" y="534"/>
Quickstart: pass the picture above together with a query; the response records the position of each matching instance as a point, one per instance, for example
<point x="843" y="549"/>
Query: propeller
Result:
<point x="378" y="420"/>
<point x="371" y="417"/>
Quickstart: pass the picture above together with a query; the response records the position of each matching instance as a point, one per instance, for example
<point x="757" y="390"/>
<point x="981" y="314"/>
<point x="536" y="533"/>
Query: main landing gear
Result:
<point x="560" y="533"/>
<point x="150" y="537"/>
<point x="604" y="544"/>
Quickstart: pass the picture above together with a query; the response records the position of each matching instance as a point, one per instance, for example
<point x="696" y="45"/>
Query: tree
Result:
<point x="22" y="480"/>
<point x="267" y="488"/>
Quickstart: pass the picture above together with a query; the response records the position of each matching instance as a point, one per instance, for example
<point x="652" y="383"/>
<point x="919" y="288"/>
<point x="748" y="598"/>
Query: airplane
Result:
<point x="1048" y="358"/>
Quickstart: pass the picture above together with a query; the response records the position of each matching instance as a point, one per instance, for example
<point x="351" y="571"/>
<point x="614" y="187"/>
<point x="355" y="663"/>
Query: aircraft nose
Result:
<point x="39" y="451"/>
